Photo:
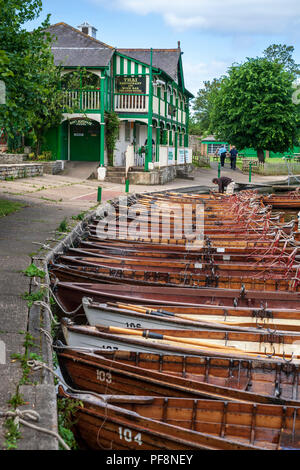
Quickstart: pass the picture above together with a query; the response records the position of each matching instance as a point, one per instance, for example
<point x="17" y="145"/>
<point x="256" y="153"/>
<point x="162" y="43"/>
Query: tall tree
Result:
<point x="282" y="54"/>
<point x="202" y="106"/>
<point x="254" y="107"/>
<point x="31" y="79"/>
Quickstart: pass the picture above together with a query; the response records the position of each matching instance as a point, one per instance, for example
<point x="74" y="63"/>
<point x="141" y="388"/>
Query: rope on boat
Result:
<point x="21" y="417"/>
<point x="45" y="286"/>
<point x="36" y="365"/>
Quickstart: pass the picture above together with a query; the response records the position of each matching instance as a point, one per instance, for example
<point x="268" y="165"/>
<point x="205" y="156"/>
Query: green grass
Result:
<point x="7" y="207"/>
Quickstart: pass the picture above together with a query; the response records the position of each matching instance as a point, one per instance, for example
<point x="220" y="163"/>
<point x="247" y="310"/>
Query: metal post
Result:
<point x="127" y="186"/>
<point x="99" y="195"/>
<point x="250" y="171"/>
<point x="219" y="169"/>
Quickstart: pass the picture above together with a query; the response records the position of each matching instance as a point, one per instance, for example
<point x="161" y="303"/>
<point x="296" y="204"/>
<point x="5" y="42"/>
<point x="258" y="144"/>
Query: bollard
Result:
<point x="126" y="186"/>
<point x="99" y="194"/>
<point x="219" y="169"/>
<point x="250" y="171"/>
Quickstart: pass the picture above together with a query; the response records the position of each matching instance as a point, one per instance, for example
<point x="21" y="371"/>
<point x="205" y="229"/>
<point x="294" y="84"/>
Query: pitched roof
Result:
<point x="73" y="48"/>
<point x="163" y="59"/>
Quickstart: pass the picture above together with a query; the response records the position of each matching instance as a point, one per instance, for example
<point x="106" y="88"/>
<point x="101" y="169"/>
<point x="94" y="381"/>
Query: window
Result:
<point x="212" y="148"/>
<point x="169" y="92"/>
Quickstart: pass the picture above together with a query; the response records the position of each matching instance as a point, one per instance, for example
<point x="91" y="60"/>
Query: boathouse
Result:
<point x="144" y="87"/>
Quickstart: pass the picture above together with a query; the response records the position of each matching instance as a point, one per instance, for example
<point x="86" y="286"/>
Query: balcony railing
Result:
<point x="131" y="103"/>
<point x="82" y="100"/>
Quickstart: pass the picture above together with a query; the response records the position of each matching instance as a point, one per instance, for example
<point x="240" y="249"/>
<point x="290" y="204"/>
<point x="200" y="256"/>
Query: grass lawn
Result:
<point x="7" y="207"/>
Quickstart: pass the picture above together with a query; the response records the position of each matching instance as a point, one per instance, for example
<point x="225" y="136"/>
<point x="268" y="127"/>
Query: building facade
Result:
<point x="145" y="87"/>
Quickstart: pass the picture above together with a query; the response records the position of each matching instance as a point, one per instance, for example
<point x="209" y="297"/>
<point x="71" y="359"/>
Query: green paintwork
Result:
<point x="85" y="142"/>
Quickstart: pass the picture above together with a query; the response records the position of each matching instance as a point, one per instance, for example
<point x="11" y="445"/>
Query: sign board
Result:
<point x="2" y="92"/>
<point x="81" y="122"/>
<point x="171" y="155"/>
<point x="181" y="156"/>
<point x="186" y="151"/>
<point x="130" y="84"/>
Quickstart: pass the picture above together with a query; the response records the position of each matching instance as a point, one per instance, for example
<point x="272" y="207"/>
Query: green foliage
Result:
<point x="80" y="79"/>
<point x="12" y="434"/>
<point x="33" y="98"/>
<point x="80" y="216"/>
<point x="34" y="296"/>
<point x="63" y="226"/>
<point x="282" y="54"/>
<point x="34" y="271"/>
<point x="112" y="124"/>
<point x="66" y="419"/>
<point x="202" y="105"/>
<point x="8" y="207"/>
<point x="254" y="107"/>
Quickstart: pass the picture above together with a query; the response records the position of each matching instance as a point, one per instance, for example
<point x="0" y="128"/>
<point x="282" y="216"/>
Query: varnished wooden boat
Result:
<point x="290" y="200"/>
<point x="96" y="269"/>
<point x="238" y="344"/>
<point x="222" y="250"/>
<point x="139" y="316"/>
<point x="180" y="244"/>
<point x="88" y="249"/>
<point x="157" y="423"/>
<point x="70" y="296"/>
<point x="132" y="373"/>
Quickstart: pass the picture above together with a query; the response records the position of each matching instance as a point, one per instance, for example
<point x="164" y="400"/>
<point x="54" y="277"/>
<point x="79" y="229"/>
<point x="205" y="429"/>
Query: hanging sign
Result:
<point x="130" y="84"/>
<point x="81" y="122"/>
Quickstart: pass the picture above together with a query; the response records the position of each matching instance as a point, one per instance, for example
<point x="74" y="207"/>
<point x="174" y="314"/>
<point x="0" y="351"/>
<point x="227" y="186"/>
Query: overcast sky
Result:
<point x="213" y="33"/>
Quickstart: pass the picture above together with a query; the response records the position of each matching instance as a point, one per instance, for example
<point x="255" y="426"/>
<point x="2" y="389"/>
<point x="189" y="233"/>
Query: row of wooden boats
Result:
<point x="170" y="344"/>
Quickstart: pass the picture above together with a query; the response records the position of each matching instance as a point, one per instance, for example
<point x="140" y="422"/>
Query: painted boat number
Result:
<point x="104" y="346"/>
<point x="133" y="325"/>
<point x="104" y="376"/>
<point x="127" y="435"/>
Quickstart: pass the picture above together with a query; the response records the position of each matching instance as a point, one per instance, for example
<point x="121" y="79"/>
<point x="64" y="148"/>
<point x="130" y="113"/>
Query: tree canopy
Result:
<point x="282" y="54"/>
<point x="33" y="99"/>
<point x="202" y="105"/>
<point x="254" y="107"/>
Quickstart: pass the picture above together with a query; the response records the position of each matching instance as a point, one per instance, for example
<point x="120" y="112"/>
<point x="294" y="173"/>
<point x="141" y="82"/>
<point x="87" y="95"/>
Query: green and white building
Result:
<point x="145" y="87"/>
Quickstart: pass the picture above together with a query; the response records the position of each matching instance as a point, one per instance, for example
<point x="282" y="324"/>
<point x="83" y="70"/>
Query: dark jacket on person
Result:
<point x="223" y="182"/>
<point x="233" y="153"/>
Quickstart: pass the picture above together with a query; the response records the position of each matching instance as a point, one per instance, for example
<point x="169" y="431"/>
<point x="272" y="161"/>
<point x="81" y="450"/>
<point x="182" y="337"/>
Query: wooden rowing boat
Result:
<point x="157" y="423"/>
<point x="186" y="274"/>
<point x="69" y="295"/>
<point x="132" y="373"/>
<point x="183" y="341"/>
<point x="139" y="316"/>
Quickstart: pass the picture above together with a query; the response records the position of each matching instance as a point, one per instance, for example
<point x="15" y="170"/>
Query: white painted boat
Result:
<point x="102" y="314"/>
<point x="183" y="342"/>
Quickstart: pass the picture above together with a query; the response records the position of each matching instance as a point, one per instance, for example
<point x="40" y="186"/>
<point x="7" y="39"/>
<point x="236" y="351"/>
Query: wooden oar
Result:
<point x="164" y="313"/>
<point x="152" y="335"/>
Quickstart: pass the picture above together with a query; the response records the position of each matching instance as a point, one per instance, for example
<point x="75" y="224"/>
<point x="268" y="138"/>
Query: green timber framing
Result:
<point x="156" y="113"/>
<point x="125" y="67"/>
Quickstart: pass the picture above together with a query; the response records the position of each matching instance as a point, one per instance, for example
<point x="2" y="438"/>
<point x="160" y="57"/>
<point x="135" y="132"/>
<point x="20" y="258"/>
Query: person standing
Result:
<point x="233" y="154"/>
<point x="222" y="153"/>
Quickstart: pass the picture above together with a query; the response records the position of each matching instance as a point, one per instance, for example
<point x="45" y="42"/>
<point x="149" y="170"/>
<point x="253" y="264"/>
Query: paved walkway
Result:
<point x="64" y="191"/>
<point x="47" y="201"/>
